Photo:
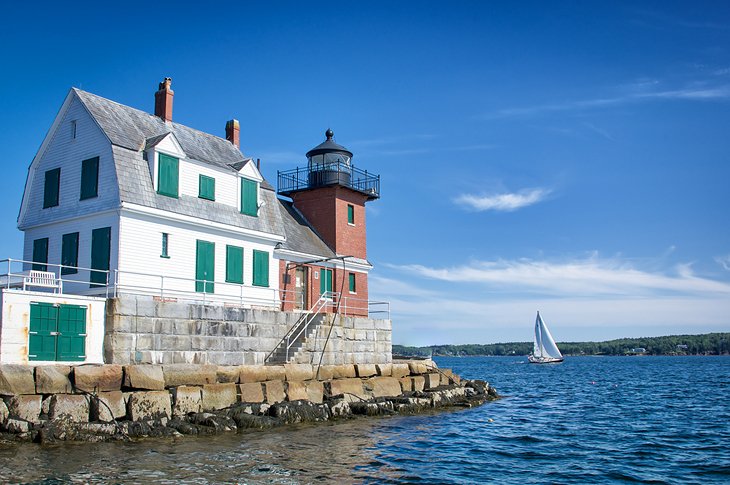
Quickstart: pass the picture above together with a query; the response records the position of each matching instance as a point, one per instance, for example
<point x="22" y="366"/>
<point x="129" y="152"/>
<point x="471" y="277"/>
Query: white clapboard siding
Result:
<point x="84" y="226"/>
<point x="67" y="152"/>
<point x="141" y="249"/>
<point x="226" y="182"/>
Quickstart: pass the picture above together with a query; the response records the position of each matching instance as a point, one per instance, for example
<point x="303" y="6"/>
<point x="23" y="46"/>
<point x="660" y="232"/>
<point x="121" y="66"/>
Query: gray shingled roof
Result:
<point x="299" y="234"/>
<point x="131" y="130"/>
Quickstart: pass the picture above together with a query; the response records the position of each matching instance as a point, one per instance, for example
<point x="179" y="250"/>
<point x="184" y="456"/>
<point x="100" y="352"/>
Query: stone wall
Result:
<point x="144" y="330"/>
<point x="40" y="399"/>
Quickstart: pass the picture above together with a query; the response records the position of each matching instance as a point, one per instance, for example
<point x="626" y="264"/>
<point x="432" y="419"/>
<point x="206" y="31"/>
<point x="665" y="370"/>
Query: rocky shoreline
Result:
<point x="254" y="397"/>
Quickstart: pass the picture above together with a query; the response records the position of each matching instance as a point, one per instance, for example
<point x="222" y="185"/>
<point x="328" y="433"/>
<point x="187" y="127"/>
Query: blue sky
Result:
<point x="567" y="157"/>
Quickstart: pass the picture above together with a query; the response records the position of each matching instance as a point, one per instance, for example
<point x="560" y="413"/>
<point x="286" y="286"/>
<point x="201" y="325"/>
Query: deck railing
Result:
<point x="334" y="173"/>
<point x="78" y="281"/>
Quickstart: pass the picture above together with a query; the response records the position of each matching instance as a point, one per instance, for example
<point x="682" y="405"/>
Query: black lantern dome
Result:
<point x="328" y="154"/>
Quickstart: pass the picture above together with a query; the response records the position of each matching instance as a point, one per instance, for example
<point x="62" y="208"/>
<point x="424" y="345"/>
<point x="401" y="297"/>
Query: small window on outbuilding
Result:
<point x="351" y="280"/>
<point x="350" y="214"/>
<point x="51" y="187"/>
<point x="206" y="187"/>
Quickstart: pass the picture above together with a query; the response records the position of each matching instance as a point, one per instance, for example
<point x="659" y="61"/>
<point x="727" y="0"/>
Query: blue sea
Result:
<point x="587" y="420"/>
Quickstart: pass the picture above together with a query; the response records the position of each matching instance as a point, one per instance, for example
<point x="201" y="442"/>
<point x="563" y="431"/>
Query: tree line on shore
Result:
<point x="705" y="344"/>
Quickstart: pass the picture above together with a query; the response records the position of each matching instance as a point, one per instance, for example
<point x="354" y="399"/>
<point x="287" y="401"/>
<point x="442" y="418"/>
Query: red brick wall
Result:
<point x="326" y="210"/>
<point x="351" y="303"/>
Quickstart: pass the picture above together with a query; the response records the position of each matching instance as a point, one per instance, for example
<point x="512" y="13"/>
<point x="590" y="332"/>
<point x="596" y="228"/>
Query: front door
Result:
<point x="204" y="266"/>
<point x="300" y="288"/>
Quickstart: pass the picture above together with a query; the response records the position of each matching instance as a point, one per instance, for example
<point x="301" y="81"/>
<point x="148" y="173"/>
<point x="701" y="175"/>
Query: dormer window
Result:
<point x="168" y="175"/>
<point x="206" y="187"/>
<point x="249" y="197"/>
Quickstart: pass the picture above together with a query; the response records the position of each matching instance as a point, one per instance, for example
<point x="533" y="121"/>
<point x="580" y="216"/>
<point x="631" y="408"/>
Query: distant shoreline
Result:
<point x="671" y="345"/>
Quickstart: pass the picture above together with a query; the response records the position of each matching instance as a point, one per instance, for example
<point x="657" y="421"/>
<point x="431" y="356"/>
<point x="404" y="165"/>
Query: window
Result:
<point x="50" y="190"/>
<point x="89" y="178"/>
<point x="206" y="187"/>
<point x="249" y="197"/>
<point x="167" y="175"/>
<point x="70" y="253"/>
<point x="351" y="280"/>
<point x="40" y="254"/>
<point x="234" y="264"/>
<point x="350" y="214"/>
<point x="165" y="241"/>
<point x="73" y="129"/>
<point x="260" y="268"/>
<point x="325" y="281"/>
<point x="101" y="244"/>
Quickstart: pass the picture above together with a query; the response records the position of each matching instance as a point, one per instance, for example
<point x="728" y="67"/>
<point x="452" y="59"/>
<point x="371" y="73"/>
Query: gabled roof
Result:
<point x="131" y="128"/>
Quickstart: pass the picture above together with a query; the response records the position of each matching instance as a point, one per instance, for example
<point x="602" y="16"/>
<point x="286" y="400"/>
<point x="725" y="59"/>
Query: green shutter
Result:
<point x="234" y="264"/>
<point x="350" y="214"/>
<point x="260" y="268"/>
<point x="167" y="175"/>
<point x="101" y="243"/>
<point x="71" y="345"/>
<point x="206" y="187"/>
<point x="50" y="190"/>
<point x="325" y="280"/>
<point x="351" y="277"/>
<point x="204" y="266"/>
<point x="43" y="323"/>
<point x="89" y="178"/>
<point x="40" y="254"/>
<point x="70" y="253"/>
<point x="249" y="197"/>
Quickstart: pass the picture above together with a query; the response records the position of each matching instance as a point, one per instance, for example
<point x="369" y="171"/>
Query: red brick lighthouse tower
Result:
<point x="331" y="194"/>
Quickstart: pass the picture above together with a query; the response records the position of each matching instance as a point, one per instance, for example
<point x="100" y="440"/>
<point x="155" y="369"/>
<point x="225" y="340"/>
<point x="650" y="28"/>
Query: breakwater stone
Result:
<point x="53" y="379"/>
<point x="189" y="374"/>
<point x="213" y="407"/>
<point x="144" y="377"/>
<point x="16" y="379"/>
<point x="98" y="378"/>
<point x="69" y="407"/>
<point x="146" y="405"/>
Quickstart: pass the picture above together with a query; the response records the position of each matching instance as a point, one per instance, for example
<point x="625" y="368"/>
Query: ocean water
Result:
<point x="587" y="420"/>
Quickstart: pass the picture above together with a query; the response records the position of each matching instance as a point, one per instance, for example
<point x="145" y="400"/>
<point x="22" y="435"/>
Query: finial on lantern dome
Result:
<point x="329" y="133"/>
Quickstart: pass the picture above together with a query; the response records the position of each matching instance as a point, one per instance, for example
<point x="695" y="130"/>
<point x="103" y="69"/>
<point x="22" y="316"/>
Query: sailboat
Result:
<point x="544" y="349"/>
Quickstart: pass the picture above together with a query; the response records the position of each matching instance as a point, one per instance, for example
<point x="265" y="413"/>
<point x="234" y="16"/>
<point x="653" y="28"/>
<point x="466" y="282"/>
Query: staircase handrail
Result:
<point x="303" y="322"/>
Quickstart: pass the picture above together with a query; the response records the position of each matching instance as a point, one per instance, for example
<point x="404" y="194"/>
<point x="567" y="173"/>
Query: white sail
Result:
<point x="544" y="348"/>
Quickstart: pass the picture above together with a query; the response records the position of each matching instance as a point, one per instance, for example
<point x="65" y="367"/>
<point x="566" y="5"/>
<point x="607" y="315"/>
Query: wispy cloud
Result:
<point x="590" y="276"/>
<point x="644" y="92"/>
<point x="600" y="131"/>
<point x="505" y="202"/>
<point x="724" y="261"/>
<point x="588" y="297"/>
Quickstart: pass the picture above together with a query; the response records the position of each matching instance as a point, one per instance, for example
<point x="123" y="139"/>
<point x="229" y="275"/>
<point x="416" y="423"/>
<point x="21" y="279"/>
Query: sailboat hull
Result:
<point x="544" y="360"/>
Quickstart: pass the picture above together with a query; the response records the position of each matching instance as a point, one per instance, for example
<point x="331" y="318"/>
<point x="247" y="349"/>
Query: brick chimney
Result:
<point x="233" y="132"/>
<point x="163" y="100"/>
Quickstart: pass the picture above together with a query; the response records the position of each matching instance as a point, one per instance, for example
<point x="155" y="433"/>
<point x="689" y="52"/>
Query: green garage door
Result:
<point x="57" y="332"/>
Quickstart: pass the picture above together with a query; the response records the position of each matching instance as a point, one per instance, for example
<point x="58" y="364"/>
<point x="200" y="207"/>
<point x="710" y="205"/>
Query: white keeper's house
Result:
<point x="121" y="201"/>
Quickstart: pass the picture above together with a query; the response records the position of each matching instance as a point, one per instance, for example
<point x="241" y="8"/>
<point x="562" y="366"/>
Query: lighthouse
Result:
<point x="331" y="193"/>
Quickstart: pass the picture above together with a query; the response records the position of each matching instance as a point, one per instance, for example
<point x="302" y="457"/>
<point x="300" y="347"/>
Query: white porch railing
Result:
<point x="77" y="281"/>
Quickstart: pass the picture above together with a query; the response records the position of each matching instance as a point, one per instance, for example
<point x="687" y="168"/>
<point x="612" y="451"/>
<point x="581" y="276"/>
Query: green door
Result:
<point x="204" y="266"/>
<point x="101" y="243"/>
<point x="57" y="332"/>
<point x="43" y="330"/>
<point x="325" y="281"/>
<point x="71" y="333"/>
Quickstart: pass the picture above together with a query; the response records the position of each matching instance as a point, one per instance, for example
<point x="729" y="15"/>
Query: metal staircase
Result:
<point x="297" y="335"/>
